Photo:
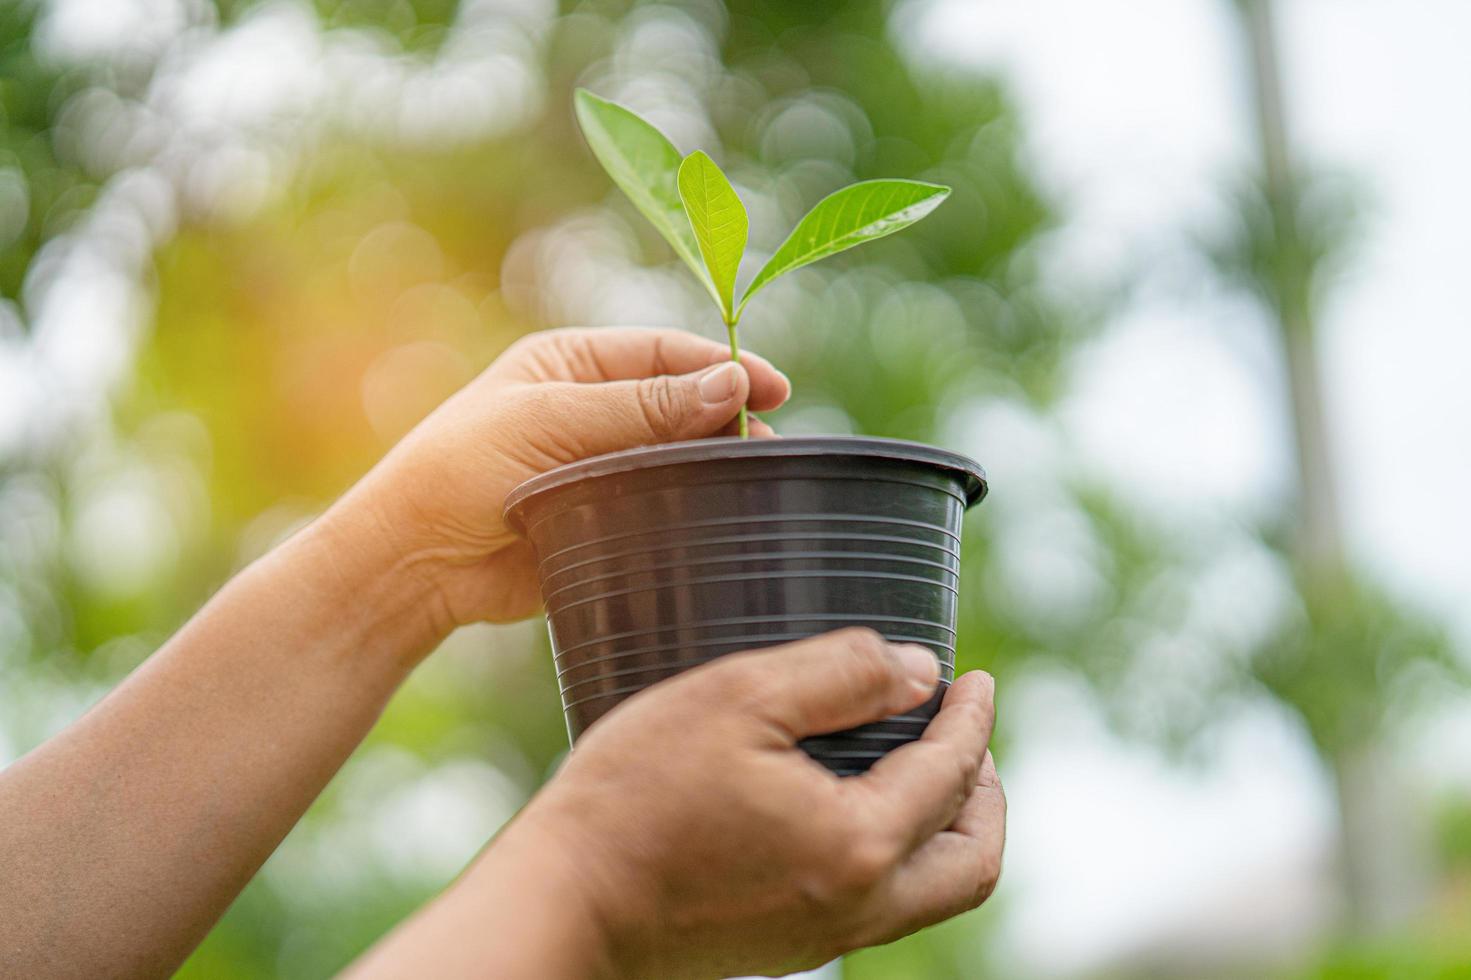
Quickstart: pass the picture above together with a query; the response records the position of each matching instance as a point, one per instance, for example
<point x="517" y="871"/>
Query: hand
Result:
<point x="687" y="835"/>
<point x="434" y="503"/>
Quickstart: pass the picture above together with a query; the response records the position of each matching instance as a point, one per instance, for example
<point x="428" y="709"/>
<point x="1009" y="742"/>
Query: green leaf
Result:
<point x="719" y="222"/>
<point x="645" y="166"/>
<point x="860" y="213"/>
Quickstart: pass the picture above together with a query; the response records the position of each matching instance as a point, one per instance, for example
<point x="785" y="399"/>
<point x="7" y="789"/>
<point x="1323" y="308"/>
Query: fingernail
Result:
<point x="922" y="666"/>
<point x="718" y="383"/>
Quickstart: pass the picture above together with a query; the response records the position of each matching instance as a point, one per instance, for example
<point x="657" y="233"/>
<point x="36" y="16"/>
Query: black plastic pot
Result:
<point x="655" y="560"/>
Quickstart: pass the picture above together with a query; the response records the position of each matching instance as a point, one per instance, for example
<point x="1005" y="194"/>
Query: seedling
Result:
<point x="692" y="205"/>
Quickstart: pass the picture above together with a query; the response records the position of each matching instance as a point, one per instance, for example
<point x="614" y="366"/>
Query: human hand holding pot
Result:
<point x="433" y="505"/>
<point x="687" y="835"/>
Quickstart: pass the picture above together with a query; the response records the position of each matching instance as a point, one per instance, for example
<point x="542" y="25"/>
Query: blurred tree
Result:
<point x="1349" y="661"/>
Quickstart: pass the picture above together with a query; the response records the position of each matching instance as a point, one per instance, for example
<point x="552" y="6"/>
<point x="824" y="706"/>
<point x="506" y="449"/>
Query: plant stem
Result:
<point x="735" y="355"/>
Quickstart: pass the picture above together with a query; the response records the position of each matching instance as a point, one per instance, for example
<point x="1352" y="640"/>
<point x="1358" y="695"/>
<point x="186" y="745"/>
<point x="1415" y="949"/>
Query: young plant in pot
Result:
<point x="656" y="560"/>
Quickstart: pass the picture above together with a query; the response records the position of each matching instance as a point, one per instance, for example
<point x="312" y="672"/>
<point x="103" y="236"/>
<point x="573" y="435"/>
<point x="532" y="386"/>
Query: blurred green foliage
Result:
<point x="49" y="192"/>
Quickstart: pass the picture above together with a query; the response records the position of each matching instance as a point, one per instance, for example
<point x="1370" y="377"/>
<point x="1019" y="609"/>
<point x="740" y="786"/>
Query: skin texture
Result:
<point x="686" y="836"/>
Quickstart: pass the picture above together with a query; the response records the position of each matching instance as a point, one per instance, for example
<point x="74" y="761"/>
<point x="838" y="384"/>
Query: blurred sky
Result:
<point x="1138" y="118"/>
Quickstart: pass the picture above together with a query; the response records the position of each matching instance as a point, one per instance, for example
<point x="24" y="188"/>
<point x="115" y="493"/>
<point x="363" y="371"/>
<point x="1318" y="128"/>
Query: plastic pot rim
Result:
<point x="733" y="448"/>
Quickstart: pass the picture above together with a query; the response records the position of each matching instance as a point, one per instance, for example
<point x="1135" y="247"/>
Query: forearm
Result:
<point x="123" y="839"/>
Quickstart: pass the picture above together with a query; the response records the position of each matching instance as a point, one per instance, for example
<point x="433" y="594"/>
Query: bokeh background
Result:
<point x="1196" y="303"/>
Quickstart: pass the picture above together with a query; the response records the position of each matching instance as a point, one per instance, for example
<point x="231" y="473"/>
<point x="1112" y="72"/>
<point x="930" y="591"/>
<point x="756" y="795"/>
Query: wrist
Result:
<point x="542" y="910"/>
<point x="390" y="607"/>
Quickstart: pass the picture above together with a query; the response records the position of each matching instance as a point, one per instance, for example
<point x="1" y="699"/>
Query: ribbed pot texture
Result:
<point x="656" y="560"/>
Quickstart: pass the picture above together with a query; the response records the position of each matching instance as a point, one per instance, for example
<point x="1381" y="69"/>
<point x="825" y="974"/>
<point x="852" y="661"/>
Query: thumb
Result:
<point x="607" y="417"/>
<point x="826" y="683"/>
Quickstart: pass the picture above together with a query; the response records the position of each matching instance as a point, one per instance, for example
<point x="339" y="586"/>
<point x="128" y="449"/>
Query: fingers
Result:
<point x="985" y="811"/>
<point x="828" y="683"/>
<point x="921" y="787"/>
<point x="760" y="430"/>
<point x="572" y="421"/>
<point x="955" y="871"/>
<point x="592" y="355"/>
